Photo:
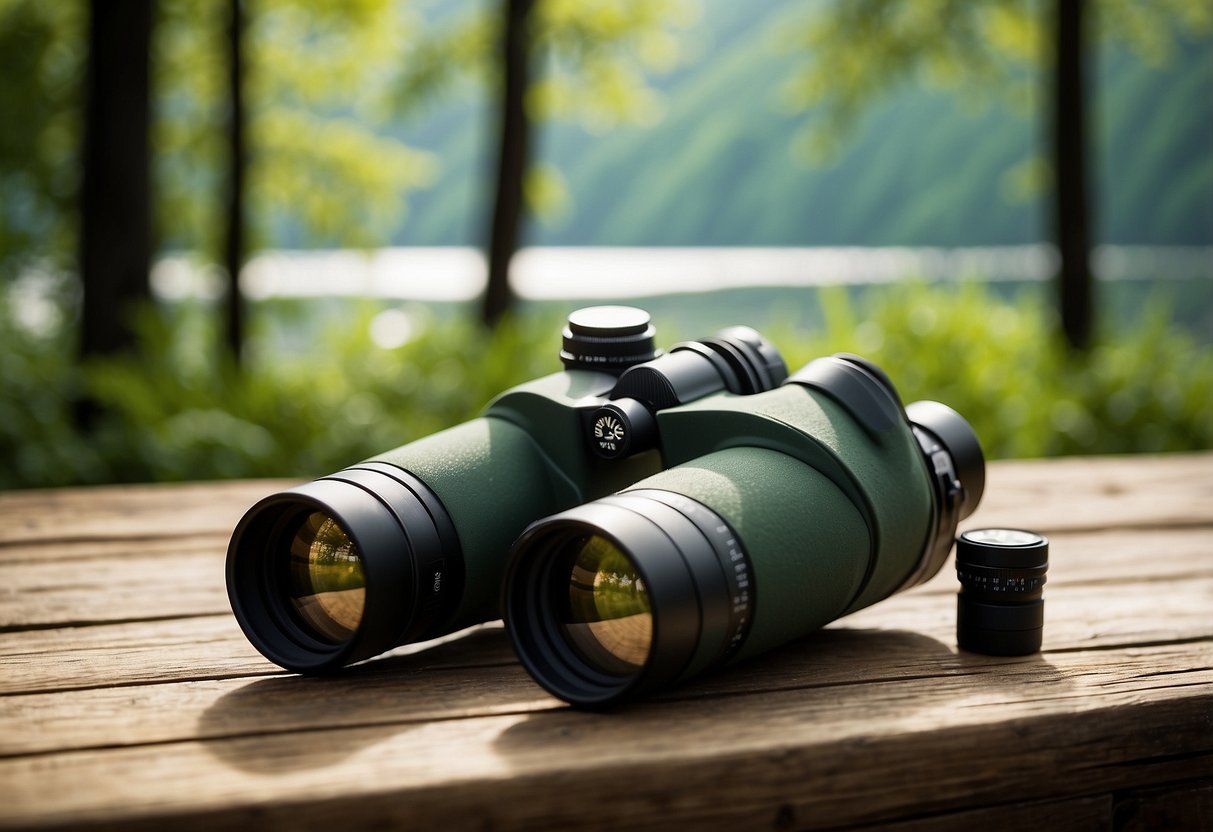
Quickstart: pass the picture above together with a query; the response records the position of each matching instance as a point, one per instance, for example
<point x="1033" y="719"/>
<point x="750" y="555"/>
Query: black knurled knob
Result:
<point x="608" y="339"/>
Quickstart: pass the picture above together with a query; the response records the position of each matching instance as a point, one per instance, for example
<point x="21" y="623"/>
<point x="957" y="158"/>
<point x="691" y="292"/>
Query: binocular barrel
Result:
<point x="412" y="544"/>
<point x="391" y="551"/>
<point x="736" y="551"/>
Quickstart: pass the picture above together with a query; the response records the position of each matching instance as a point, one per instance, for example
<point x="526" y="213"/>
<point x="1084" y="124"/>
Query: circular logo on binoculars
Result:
<point x="609" y="430"/>
<point x="608" y="427"/>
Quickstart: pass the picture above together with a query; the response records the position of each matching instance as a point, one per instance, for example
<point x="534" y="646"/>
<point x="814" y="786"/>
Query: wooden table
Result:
<point x="129" y="698"/>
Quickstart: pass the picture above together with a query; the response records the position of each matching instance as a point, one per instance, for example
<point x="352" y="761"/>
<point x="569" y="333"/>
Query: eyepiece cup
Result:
<point x="958" y="437"/>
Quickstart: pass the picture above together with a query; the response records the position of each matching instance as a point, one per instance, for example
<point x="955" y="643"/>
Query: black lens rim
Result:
<point x="537" y="577"/>
<point x="397" y="537"/>
<point x="682" y="567"/>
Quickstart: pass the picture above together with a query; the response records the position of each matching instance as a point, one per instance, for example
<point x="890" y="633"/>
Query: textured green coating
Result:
<point x="550" y="409"/>
<point x="524" y="459"/>
<point x="883" y="475"/>
<point x="807" y="544"/>
<point x="493" y="480"/>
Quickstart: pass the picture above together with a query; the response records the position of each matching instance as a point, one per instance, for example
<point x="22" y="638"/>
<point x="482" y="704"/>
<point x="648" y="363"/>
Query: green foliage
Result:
<point x="38" y="383"/>
<point x="330" y="90"/>
<point x="322" y="164"/>
<point x="40" y="67"/>
<point x="304" y="411"/>
<point x="997" y="362"/>
<point x="858" y="50"/>
<point x="170" y="414"/>
<point x="598" y="55"/>
<point x="590" y="64"/>
<point x="925" y="165"/>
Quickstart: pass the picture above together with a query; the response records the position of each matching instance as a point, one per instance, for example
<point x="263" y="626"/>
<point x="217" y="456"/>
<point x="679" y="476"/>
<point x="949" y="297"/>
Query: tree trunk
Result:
<point x="514" y="140"/>
<point x="234" y="245"/>
<point x="1071" y="220"/>
<point x="115" y="190"/>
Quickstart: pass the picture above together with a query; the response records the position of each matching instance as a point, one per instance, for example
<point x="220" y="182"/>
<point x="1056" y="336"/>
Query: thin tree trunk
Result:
<point x="234" y="245"/>
<point x="115" y="190"/>
<point x="514" y="141"/>
<point x="1071" y="209"/>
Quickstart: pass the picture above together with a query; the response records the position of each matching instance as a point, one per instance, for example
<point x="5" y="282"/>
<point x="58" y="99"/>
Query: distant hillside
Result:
<point x="924" y="168"/>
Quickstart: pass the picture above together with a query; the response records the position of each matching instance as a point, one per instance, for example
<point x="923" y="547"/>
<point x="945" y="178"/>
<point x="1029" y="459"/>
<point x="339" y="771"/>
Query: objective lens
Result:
<point x="325" y="580"/>
<point x="597" y="616"/>
<point x="608" y="620"/>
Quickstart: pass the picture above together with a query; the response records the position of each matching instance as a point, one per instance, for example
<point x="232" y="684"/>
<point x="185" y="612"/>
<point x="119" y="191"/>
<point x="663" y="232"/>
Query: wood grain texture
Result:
<point x="129" y="698"/>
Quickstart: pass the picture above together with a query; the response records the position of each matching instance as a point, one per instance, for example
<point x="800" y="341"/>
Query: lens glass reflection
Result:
<point x="608" y="620"/>
<point x="325" y="580"/>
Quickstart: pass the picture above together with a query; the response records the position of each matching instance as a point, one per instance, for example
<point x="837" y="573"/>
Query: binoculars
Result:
<point x="637" y="518"/>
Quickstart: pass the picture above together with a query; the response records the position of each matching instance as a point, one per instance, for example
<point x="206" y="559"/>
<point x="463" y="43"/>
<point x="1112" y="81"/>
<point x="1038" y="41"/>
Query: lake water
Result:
<point x="458" y="274"/>
<point x="694" y="285"/>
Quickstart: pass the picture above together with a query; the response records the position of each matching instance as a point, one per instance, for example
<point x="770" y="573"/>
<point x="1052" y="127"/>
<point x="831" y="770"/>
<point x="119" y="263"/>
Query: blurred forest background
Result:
<point x="155" y="154"/>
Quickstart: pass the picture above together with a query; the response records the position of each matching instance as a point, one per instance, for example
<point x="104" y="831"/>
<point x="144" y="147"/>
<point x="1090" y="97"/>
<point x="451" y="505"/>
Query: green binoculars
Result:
<point x="637" y="518"/>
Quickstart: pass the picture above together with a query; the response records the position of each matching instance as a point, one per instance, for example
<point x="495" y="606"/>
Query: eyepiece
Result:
<point x="343" y="568"/>
<point x="956" y="468"/>
<point x="747" y="362"/>
<point x="625" y="594"/>
<point x="737" y="359"/>
<point x="958" y="439"/>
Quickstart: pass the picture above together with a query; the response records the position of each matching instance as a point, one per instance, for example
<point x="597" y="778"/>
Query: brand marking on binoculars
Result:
<point x="437" y="582"/>
<point x="608" y="430"/>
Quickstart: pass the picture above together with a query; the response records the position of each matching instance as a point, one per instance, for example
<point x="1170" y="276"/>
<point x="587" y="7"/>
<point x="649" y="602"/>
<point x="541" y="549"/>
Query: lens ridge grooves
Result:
<point x="678" y="549"/>
<point x="392" y="531"/>
<point x="731" y="557"/>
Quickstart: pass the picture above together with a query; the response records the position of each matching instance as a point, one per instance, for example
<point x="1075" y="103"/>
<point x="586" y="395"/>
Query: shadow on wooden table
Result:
<point x="473" y="675"/>
<point x="820" y="678"/>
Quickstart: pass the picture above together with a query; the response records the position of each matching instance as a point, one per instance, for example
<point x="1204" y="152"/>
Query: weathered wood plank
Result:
<point x="127" y="588"/>
<point x="834" y="755"/>
<point x="1077" y="493"/>
<point x="135" y="721"/>
<point x="415" y="688"/>
<point x="124" y="654"/>
<point x="1099" y="493"/>
<point x="191" y="650"/>
<point x="1079" y="616"/>
<point x="1017" y="812"/>
<point x="1179" y="806"/>
<point x="134" y="512"/>
<point x="133" y="583"/>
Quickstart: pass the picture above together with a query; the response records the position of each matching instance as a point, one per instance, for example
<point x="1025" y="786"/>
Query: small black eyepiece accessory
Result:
<point x="608" y="339"/>
<point x="1000" y="611"/>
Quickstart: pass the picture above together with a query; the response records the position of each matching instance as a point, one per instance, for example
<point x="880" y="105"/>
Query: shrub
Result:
<point x="304" y="407"/>
<point x="998" y="362"/>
